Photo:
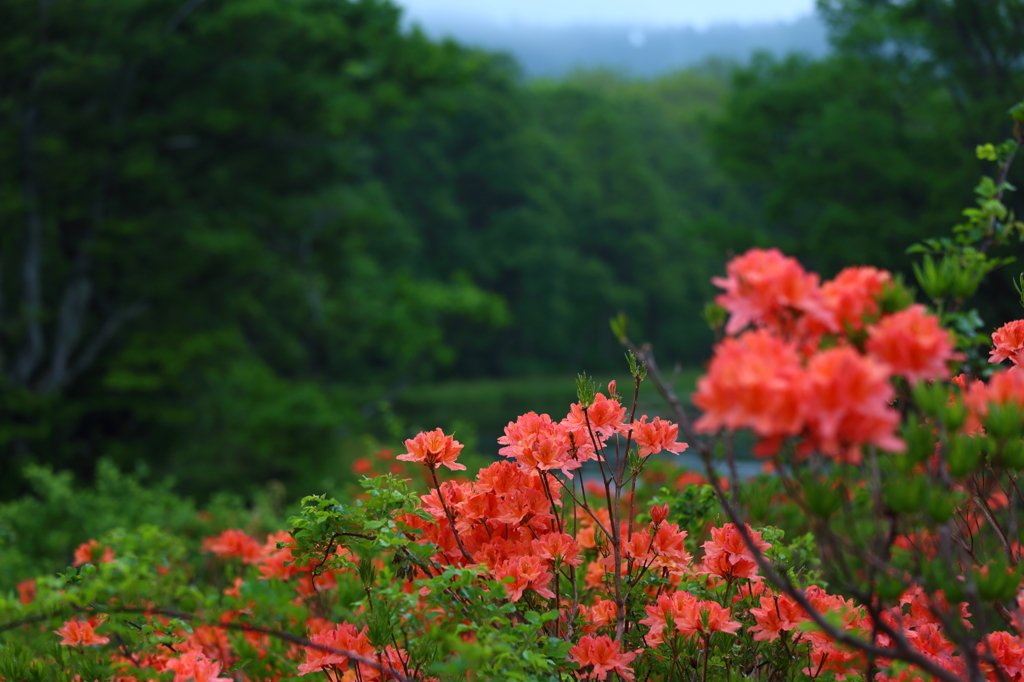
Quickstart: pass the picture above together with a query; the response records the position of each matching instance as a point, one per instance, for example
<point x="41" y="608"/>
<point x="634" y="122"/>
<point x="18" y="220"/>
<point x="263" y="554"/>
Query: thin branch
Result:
<point x="449" y="514"/>
<point x="105" y="334"/>
<point x="903" y="651"/>
<point x="31" y="278"/>
<point x="73" y="306"/>
<point x="75" y="301"/>
<point x="645" y="354"/>
<point x="987" y="513"/>
<point x="238" y="627"/>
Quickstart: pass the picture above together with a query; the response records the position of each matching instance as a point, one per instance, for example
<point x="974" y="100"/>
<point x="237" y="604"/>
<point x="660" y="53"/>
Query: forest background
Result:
<point x="247" y="241"/>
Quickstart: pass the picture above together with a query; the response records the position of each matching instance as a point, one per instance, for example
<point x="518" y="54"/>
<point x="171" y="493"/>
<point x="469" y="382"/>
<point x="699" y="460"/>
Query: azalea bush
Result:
<point x="893" y="427"/>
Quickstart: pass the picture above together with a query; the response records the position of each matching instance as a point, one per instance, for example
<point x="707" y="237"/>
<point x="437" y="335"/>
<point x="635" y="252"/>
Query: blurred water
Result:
<point x="745" y="468"/>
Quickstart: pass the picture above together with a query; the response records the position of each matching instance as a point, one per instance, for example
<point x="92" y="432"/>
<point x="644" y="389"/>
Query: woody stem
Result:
<point x="629" y="441"/>
<point x="448" y="513"/>
<point x="551" y="499"/>
<point x="707" y="652"/>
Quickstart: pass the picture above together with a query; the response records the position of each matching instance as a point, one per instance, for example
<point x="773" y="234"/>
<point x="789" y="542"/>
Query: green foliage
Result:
<point x="227" y="247"/>
<point x="574" y="200"/>
<point x="198" y="236"/>
<point x="224" y="247"/>
<point x="855" y="157"/>
<point x="798" y="558"/>
<point x="694" y="508"/>
<point x="40" y="531"/>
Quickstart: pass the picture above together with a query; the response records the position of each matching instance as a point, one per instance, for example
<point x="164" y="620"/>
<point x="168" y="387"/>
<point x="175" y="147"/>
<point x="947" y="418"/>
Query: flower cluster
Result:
<point x="815" y="363"/>
<point x="559" y="544"/>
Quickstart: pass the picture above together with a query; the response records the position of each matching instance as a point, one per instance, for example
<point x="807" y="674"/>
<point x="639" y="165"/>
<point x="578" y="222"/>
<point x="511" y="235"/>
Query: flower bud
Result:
<point x="659" y="513"/>
<point x="611" y="388"/>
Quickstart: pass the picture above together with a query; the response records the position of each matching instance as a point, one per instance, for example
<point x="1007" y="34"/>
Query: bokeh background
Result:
<point x="245" y="242"/>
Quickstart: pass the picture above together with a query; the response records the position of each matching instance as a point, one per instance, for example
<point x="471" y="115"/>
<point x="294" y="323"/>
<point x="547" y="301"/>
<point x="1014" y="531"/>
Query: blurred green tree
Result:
<point x="195" y="251"/>
<point x="855" y="157"/>
<point x="574" y="200"/>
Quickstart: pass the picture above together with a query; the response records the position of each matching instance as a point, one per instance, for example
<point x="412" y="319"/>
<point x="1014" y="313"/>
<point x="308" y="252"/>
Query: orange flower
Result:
<point x="547" y="453"/>
<point x="777" y="614"/>
<point x="604" y="417"/>
<point x="603" y="654"/>
<point x="235" y="590"/>
<point x="853" y="295"/>
<point x="1009" y="343"/>
<point x="658" y="514"/>
<point x="766" y="288"/>
<point x="362" y="465"/>
<point x="688" y="478"/>
<point x="972" y="426"/>
<point x="193" y="665"/>
<point x="527" y="572"/>
<point x="655" y="436"/>
<point x="1003" y="388"/>
<point x="602" y="612"/>
<point x="211" y="641"/>
<point x="27" y="591"/>
<point x="913" y="344"/>
<point x="433" y="449"/>
<point x="754" y="381"/>
<point x="594" y="578"/>
<point x="500" y="478"/>
<point x="726" y="555"/>
<point x="708" y="616"/>
<point x="344" y="637"/>
<point x="77" y="632"/>
<point x="278" y="563"/>
<point x="660" y="614"/>
<point x="234" y="543"/>
<point x="670" y="552"/>
<point x="848" y="399"/>
<point x="86" y="553"/>
<point x="529" y="424"/>
<point x="688" y="616"/>
<point x="558" y="547"/>
<point x="1008" y="652"/>
<point x="638" y="547"/>
<point x="396" y="659"/>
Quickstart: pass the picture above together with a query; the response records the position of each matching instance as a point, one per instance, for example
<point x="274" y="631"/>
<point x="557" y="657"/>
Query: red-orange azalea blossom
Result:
<point x="86" y="553"/>
<point x="1009" y="343"/>
<point x="603" y="654"/>
<point x="344" y="637"/>
<point x="754" y="381"/>
<point x="727" y="556"/>
<point x="433" y="449"/>
<point x="78" y="632"/>
<point x="657" y="435"/>
<point x="194" y="666"/>
<point x="848" y="401"/>
<point x="766" y="288"/>
<point x="853" y="295"/>
<point x="912" y="344"/>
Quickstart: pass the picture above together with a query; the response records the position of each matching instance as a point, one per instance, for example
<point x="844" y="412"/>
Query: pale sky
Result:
<point x="634" y="12"/>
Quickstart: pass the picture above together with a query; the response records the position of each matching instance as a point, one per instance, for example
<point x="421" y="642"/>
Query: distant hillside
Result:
<point x="553" y="51"/>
